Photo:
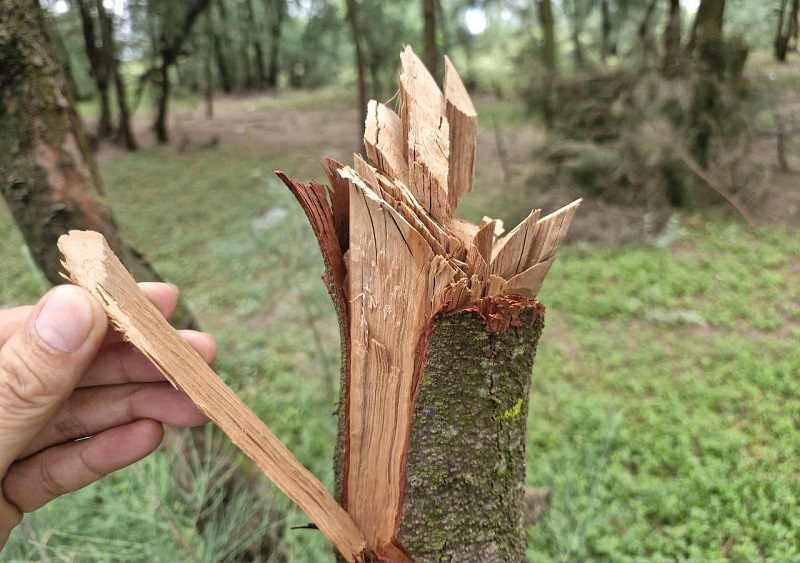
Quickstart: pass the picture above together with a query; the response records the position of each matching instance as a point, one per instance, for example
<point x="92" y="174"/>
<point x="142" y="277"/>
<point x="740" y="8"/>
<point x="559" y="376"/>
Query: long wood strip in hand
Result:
<point x="92" y="265"/>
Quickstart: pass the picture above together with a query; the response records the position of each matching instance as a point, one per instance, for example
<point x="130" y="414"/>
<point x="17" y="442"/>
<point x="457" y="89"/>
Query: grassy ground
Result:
<point x="664" y="411"/>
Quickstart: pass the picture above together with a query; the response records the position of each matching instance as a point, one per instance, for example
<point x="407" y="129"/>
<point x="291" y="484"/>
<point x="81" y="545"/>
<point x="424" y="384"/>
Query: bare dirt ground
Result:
<point x="318" y="125"/>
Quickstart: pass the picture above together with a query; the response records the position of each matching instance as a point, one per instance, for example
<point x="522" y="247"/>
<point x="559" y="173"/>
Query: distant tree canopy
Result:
<point x="164" y="48"/>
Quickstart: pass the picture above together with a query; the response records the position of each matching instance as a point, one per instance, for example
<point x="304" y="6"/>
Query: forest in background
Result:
<point x="663" y="413"/>
<point x="645" y="103"/>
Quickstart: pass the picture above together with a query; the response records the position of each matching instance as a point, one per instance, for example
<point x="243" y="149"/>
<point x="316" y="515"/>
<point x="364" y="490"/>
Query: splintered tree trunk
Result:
<point x="47" y="174"/>
<point x="439" y="329"/>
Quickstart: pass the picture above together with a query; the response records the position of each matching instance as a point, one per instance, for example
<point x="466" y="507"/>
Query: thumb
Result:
<point x="42" y="363"/>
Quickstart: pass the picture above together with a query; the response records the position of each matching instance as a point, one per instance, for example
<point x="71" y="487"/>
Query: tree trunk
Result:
<point x="47" y="174"/>
<point x="671" y="61"/>
<point x="605" y="31"/>
<point x="786" y="30"/>
<point x="163" y="101"/>
<point x="99" y="68"/>
<point x="576" y="20"/>
<point x="646" y="45"/>
<point x="429" y="36"/>
<point x="208" y="64"/>
<point x="260" y="76"/>
<point x="711" y="62"/>
<point x="548" y="32"/>
<point x="549" y="60"/>
<point x="355" y="30"/>
<point x="430" y="461"/>
<point x="169" y="50"/>
<point x="112" y="64"/>
<point x="275" y="44"/>
<point x="225" y="74"/>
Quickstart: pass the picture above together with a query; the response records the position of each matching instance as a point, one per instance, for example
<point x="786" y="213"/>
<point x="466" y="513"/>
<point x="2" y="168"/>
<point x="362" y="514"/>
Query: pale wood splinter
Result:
<point x="92" y="265"/>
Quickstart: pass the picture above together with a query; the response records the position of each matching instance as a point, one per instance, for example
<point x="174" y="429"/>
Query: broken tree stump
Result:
<point x="439" y="327"/>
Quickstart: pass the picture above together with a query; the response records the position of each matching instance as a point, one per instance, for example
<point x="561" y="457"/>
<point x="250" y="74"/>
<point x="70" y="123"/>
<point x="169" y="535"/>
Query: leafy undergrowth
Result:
<point x="663" y="413"/>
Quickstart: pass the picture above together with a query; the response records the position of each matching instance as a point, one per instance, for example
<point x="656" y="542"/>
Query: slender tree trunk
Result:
<point x="605" y="31"/>
<point x="794" y="24"/>
<point x="355" y="30"/>
<point x="711" y="61"/>
<point x="780" y="43"/>
<point x="260" y="75"/>
<point x="549" y="60"/>
<point x="431" y="57"/>
<point x="671" y="63"/>
<point x="163" y="104"/>
<point x="548" y="32"/>
<point x="698" y="17"/>
<point x="170" y="49"/>
<point x="644" y="36"/>
<point x="208" y="65"/>
<point x="275" y="44"/>
<point x="47" y="173"/>
<point x="124" y="129"/>
<point x="99" y="69"/>
<point x="223" y="68"/>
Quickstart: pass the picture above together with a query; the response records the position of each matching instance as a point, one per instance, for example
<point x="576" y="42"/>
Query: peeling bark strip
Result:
<point x="93" y="265"/>
<point x="439" y="329"/>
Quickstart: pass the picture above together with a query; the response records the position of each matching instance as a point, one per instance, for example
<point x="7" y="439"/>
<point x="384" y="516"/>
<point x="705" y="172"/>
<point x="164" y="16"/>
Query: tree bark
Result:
<point x="549" y="60"/>
<point x="47" y="173"/>
<point x="576" y="28"/>
<point x="646" y="45"/>
<point x="355" y="30"/>
<point x="605" y="31"/>
<point x="170" y="49"/>
<point x="99" y="67"/>
<point x="223" y="69"/>
<point x="786" y="30"/>
<point x="275" y="46"/>
<point x="208" y="65"/>
<point x="671" y="62"/>
<point x="488" y="404"/>
<point x="429" y="36"/>
<point x="124" y="129"/>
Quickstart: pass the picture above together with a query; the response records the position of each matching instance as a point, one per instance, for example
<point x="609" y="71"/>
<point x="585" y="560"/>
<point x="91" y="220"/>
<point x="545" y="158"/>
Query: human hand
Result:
<point x="64" y="376"/>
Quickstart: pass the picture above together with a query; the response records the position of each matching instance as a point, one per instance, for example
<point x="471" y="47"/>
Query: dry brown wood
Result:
<point x="426" y="135"/>
<point x="92" y="265"/>
<point x="463" y="122"/>
<point x="383" y="139"/>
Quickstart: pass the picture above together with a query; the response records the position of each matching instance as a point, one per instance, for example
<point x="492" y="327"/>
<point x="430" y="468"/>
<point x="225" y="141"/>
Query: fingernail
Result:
<point x="66" y="319"/>
<point x="175" y="289"/>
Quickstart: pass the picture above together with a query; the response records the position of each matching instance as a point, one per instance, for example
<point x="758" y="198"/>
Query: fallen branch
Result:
<point x="92" y="265"/>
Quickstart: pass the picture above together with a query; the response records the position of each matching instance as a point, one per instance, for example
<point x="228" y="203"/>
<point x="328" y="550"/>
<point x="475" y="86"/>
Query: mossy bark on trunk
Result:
<point x="465" y="471"/>
<point x="47" y="173"/>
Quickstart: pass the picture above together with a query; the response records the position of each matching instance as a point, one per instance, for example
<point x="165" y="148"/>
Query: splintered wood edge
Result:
<point x="92" y="265"/>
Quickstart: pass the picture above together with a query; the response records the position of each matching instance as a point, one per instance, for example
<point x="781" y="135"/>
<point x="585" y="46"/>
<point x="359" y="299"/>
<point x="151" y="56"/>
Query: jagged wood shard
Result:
<point x="411" y="267"/>
<point x="92" y="265"/>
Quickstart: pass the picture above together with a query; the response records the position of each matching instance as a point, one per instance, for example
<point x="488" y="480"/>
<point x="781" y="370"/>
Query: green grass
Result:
<point x="664" y="411"/>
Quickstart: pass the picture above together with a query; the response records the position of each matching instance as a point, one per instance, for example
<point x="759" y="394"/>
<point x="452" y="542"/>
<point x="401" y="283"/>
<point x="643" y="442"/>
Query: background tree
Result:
<point x="175" y="26"/>
<point x="431" y="49"/>
<point x="47" y="173"/>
